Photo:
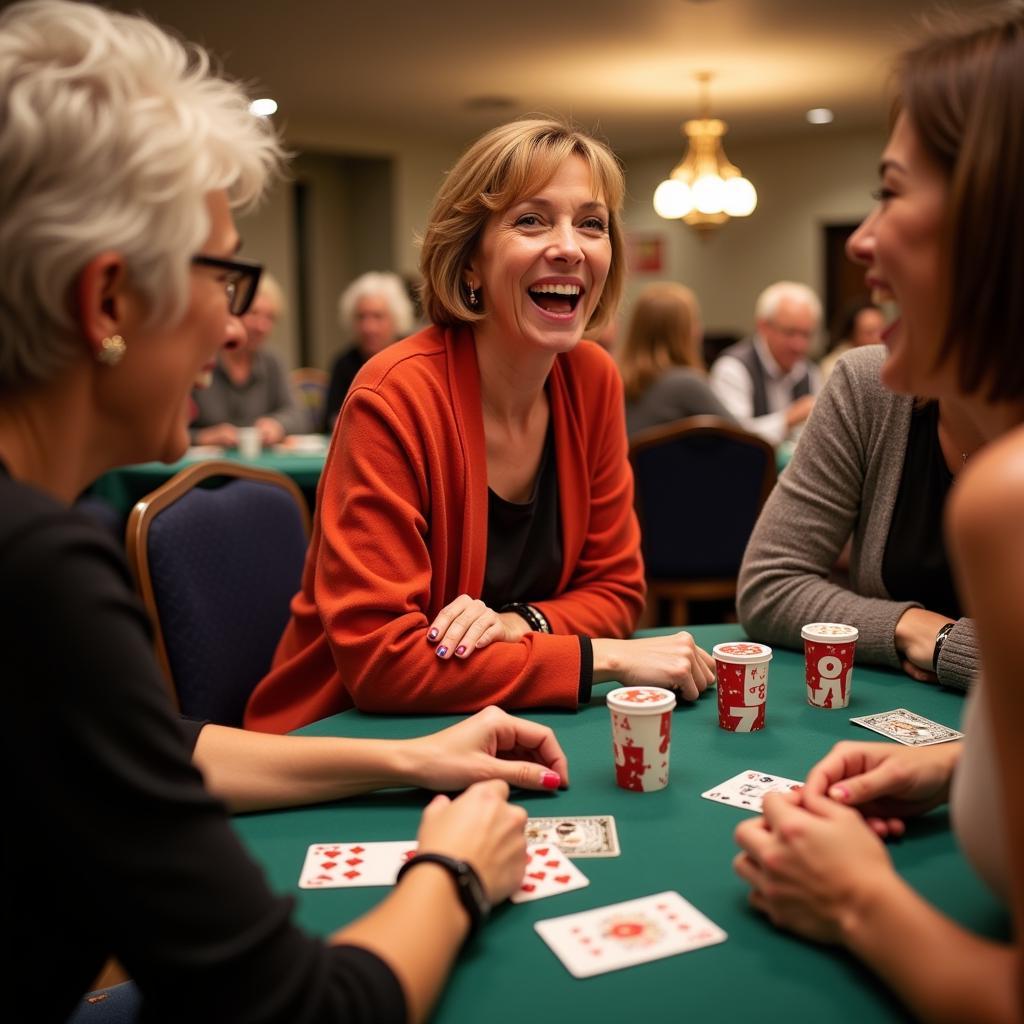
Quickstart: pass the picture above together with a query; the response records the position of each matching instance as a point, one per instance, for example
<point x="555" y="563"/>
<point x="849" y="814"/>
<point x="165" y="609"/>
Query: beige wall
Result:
<point x="802" y="185"/>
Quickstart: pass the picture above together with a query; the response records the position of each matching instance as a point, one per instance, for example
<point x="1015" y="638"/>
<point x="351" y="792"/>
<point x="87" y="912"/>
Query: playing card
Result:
<point x="746" y="790"/>
<point x="905" y="727"/>
<point x="626" y="934"/>
<point x="548" y="873"/>
<point x="592" y="835"/>
<point x="349" y="865"/>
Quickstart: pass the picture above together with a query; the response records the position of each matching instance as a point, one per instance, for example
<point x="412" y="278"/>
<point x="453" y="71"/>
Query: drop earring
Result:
<point x="472" y="296"/>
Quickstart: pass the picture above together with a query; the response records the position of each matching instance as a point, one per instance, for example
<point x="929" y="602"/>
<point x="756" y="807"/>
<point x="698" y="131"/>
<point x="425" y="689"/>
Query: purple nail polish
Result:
<point x="441" y="651"/>
<point x="432" y="635"/>
<point x="460" y="650"/>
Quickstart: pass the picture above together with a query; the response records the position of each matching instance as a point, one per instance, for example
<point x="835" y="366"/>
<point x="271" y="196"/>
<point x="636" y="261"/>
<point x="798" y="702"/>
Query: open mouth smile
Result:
<point x="556" y="298"/>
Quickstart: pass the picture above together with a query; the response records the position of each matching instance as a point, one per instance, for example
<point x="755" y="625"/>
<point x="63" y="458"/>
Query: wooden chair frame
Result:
<point x="679" y="593"/>
<point x="146" y="509"/>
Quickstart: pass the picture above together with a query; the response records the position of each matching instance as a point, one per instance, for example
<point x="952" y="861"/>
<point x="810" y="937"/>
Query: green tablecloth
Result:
<point x="671" y="839"/>
<point x="123" y="487"/>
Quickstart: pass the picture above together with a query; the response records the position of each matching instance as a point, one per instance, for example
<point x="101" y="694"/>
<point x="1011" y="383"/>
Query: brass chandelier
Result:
<point x="704" y="189"/>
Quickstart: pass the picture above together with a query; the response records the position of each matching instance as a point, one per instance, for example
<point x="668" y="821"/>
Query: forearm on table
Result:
<point x="596" y="611"/>
<point x="254" y="771"/>
<point x="943" y="972"/>
<point x="418" y="931"/>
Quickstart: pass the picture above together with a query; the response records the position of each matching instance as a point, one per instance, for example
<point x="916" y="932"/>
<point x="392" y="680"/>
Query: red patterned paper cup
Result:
<point x="741" y="667"/>
<point x="641" y="736"/>
<point x="828" y="657"/>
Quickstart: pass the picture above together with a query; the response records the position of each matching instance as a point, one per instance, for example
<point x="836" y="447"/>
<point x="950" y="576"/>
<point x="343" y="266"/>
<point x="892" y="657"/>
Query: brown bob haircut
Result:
<point x="963" y="93"/>
<point x="499" y="169"/>
<point x="664" y="331"/>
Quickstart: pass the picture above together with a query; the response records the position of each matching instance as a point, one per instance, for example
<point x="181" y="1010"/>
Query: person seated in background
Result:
<point x="249" y="387"/>
<point x="662" y="367"/>
<point x="860" y="325"/>
<point x="104" y="331"/>
<point x="475" y="524"/>
<point x="375" y="311"/>
<point x="873" y="468"/>
<point x="945" y="244"/>
<point x="767" y="380"/>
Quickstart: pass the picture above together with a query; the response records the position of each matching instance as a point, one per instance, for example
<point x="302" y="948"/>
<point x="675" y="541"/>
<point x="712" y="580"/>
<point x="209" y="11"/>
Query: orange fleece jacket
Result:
<point x="401" y="531"/>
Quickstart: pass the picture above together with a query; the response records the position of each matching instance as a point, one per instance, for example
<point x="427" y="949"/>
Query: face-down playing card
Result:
<point x="351" y="865"/>
<point x="629" y="933"/>
<point x="905" y="727"/>
<point x="747" y="790"/>
<point x="590" y="835"/>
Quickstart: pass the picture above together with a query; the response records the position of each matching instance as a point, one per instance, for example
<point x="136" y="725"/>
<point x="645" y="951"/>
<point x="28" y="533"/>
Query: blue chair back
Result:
<point x="217" y="568"/>
<point x="700" y="485"/>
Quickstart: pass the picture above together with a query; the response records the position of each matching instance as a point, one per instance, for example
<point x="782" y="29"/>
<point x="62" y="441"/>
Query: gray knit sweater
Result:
<point x="843" y="480"/>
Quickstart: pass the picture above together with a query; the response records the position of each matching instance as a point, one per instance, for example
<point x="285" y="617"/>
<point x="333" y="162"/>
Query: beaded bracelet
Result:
<point x="534" y="617"/>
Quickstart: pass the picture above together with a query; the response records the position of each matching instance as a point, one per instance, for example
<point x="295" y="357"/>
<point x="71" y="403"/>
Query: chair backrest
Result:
<point x="309" y="384"/>
<point x="217" y="569"/>
<point x="700" y="485"/>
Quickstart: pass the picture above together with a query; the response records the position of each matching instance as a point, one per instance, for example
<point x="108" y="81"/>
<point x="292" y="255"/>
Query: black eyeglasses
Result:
<point x="243" y="277"/>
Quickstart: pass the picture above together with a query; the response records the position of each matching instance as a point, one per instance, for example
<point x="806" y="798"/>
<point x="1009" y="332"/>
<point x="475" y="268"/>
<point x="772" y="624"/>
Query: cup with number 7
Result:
<point x="742" y="670"/>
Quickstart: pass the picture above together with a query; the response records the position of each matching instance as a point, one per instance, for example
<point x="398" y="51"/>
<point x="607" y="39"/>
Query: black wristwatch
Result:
<point x="467" y="885"/>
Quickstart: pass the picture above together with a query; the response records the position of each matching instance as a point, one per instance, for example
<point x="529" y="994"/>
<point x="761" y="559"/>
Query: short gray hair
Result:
<point x="113" y="135"/>
<point x="381" y="284"/>
<point x="774" y="295"/>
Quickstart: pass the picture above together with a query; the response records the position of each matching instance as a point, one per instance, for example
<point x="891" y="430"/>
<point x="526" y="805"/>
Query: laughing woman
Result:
<point x="475" y="524"/>
<point x="946" y="243"/>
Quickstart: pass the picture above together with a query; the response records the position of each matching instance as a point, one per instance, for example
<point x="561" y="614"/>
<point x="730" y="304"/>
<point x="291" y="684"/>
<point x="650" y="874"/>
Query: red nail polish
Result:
<point x="551" y="780"/>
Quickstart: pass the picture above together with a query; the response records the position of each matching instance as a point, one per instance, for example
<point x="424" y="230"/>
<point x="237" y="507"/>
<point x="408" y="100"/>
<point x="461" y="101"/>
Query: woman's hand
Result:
<point x="885" y="782"/>
<point x="915" y="642"/>
<point x="271" y="430"/>
<point x="813" y="866"/>
<point x="489" y="745"/>
<point x="225" y="434"/>
<point x="674" y="662"/>
<point x="480" y="827"/>
<point x="467" y="624"/>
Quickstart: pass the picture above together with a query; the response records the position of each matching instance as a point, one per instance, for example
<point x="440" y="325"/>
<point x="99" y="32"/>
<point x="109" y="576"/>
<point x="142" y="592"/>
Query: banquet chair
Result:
<point x="309" y="383"/>
<point x="216" y="568"/>
<point x="700" y="485"/>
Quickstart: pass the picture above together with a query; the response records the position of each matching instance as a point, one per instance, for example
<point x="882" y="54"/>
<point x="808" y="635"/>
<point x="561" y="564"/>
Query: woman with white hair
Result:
<point x="376" y="310"/>
<point x="121" y="157"/>
<point x="249" y="387"/>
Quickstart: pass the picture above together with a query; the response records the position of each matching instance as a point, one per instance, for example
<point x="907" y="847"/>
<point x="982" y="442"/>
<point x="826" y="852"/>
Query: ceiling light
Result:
<point x="820" y="115"/>
<point x="263" y="108"/>
<point x="704" y="188"/>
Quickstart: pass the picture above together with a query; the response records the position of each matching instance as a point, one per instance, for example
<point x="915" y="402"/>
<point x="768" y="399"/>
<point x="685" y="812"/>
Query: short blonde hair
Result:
<point x="498" y="170"/>
<point x="113" y="136"/>
<point x="664" y="331"/>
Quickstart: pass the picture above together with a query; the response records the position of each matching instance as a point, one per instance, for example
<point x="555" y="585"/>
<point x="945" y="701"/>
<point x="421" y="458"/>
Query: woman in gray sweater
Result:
<point x="874" y="468"/>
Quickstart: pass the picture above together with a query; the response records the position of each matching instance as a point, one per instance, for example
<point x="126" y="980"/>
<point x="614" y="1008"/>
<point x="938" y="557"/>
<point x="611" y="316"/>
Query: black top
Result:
<point x="114" y="848"/>
<point x="343" y="372"/>
<point x="524" y="541"/>
<point x="915" y="566"/>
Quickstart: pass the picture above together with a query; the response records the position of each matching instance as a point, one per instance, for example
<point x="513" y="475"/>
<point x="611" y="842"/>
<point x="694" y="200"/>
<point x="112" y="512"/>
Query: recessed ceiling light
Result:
<point x="263" y="108"/>
<point x="820" y="115"/>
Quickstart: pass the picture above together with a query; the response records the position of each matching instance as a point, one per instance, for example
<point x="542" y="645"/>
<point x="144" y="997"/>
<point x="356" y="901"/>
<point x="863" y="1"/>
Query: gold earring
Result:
<point x="112" y="350"/>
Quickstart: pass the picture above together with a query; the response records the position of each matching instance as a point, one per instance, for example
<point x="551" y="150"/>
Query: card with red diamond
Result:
<point x="350" y="865"/>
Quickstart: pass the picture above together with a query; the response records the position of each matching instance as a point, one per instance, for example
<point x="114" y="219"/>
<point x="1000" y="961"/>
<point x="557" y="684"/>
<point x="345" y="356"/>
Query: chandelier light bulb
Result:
<point x="709" y="193"/>
<point x="672" y="199"/>
<point x="739" y="197"/>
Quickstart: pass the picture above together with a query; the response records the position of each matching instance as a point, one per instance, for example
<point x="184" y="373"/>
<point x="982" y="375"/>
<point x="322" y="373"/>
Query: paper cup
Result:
<point x="741" y="668"/>
<point x="828" y="658"/>
<point x="249" y="443"/>
<point x="641" y="735"/>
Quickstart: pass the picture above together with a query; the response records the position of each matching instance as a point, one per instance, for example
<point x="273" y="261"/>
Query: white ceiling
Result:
<point x="381" y="69"/>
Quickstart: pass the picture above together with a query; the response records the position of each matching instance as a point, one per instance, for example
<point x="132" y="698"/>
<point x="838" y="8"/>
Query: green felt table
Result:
<point x="672" y="839"/>
<point x="124" y="486"/>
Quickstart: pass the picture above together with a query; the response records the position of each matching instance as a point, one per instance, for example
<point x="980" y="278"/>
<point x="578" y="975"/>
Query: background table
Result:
<point x="124" y="486"/>
<point x="671" y="839"/>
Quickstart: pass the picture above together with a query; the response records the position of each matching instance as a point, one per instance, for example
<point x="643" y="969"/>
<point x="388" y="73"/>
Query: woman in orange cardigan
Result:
<point x="475" y="524"/>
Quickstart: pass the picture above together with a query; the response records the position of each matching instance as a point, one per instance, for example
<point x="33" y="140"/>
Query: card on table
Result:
<point x="629" y="933"/>
<point x="747" y="790"/>
<point x="350" y="865"/>
<point x="548" y="873"/>
<point x="591" y="835"/>
<point x="905" y="727"/>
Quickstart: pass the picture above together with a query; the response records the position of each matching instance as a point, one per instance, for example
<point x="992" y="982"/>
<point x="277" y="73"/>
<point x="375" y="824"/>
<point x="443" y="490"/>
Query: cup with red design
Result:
<point x="741" y="668"/>
<point x="828" y="659"/>
<point x="641" y="735"/>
